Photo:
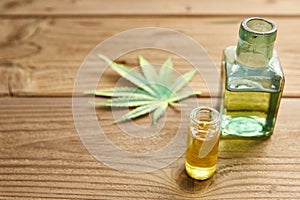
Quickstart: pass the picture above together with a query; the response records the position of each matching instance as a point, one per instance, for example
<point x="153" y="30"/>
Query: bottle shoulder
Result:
<point x="230" y="61"/>
<point x="237" y="77"/>
<point x="229" y="54"/>
<point x="275" y="64"/>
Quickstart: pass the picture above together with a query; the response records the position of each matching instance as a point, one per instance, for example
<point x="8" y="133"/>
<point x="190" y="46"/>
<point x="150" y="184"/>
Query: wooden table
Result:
<point x="42" y="45"/>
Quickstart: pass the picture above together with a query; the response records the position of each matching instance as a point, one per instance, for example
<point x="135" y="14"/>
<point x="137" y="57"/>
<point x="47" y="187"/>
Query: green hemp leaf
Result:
<point x="155" y="89"/>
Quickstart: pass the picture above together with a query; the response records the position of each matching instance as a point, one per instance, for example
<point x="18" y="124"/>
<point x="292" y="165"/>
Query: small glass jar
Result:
<point x="203" y="143"/>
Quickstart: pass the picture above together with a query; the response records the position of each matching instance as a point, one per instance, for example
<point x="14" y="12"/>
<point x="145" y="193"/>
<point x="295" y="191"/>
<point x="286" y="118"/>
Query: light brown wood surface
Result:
<point x="156" y="7"/>
<point x="42" y="46"/>
<point x="42" y="156"/>
<point x="32" y="55"/>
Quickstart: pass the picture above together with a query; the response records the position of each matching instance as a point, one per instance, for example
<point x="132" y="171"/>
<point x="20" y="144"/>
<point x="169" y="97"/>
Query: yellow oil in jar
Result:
<point x="202" y="152"/>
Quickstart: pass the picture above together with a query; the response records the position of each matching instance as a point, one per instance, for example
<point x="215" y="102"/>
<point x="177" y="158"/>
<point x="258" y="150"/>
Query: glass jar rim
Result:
<point x="247" y="28"/>
<point x="215" y="115"/>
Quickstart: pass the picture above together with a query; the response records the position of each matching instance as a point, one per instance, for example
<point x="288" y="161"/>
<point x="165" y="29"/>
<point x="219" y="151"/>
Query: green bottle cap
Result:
<point x="257" y="30"/>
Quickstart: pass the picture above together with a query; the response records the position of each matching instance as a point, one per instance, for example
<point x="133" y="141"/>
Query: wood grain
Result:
<point x="156" y="7"/>
<point x="41" y="156"/>
<point x="36" y="64"/>
<point x="42" y="46"/>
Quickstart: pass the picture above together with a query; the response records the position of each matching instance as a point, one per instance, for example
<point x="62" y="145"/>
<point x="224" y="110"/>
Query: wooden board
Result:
<point x="156" y="7"/>
<point x="34" y="63"/>
<point x="41" y="156"/>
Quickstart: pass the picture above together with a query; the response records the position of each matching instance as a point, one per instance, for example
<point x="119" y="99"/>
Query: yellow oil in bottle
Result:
<point x="202" y="152"/>
<point x="252" y="81"/>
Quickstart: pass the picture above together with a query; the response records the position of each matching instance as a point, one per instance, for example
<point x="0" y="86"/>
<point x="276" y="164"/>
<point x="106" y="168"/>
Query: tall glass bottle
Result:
<point x="252" y="81"/>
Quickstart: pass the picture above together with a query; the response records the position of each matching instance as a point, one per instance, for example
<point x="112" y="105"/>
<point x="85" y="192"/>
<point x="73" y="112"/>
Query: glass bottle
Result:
<point x="252" y="81"/>
<point x="203" y="143"/>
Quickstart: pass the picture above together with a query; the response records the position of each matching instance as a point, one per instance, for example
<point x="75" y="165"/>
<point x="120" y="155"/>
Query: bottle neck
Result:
<point x="256" y="42"/>
<point x="255" y="55"/>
